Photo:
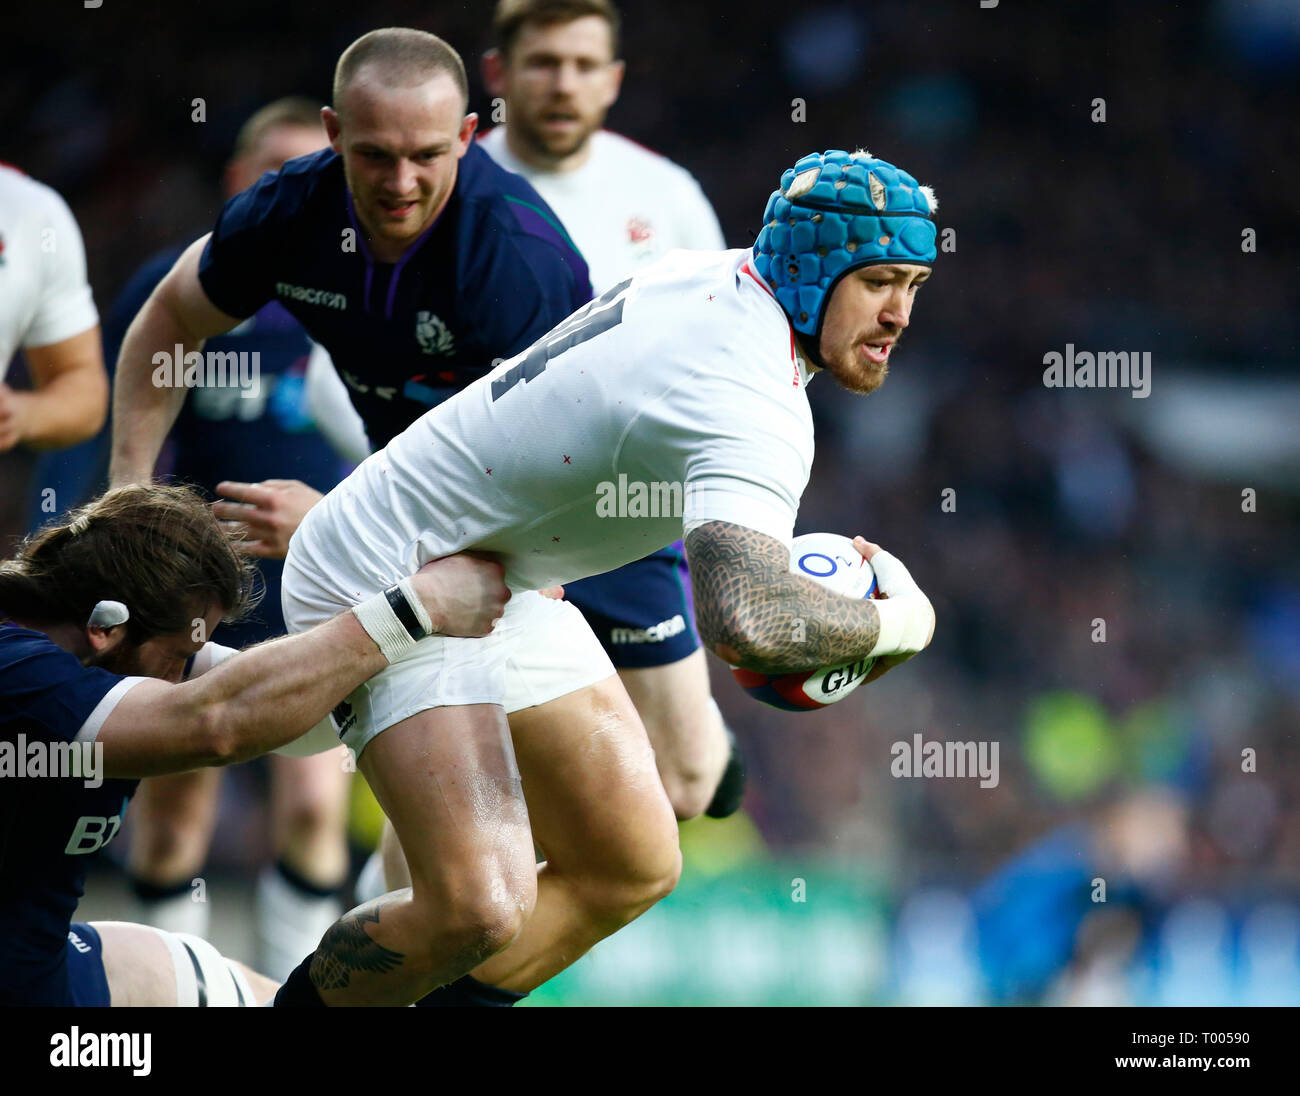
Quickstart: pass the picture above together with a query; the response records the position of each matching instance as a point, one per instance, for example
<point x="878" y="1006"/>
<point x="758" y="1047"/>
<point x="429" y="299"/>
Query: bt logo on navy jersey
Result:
<point x="93" y="832"/>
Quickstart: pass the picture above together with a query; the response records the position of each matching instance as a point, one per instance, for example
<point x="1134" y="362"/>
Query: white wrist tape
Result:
<point x="395" y="619"/>
<point x="906" y="616"/>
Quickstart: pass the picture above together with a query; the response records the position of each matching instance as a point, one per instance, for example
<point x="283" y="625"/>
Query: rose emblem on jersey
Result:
<point x="432" y="334"/>
<point x="639" y="231"/>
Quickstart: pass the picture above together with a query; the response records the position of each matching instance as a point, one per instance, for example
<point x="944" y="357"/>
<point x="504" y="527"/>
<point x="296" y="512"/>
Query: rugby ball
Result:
<point x="832" y="560"/>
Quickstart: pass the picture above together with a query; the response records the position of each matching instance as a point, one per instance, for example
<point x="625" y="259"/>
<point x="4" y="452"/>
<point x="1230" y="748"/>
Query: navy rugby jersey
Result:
<point x="494" y="272"/>
<point x="48" y="827"/>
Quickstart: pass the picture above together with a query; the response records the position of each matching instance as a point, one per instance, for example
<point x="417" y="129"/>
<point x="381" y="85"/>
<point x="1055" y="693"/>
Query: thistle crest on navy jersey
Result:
<point x="432" y="334"/>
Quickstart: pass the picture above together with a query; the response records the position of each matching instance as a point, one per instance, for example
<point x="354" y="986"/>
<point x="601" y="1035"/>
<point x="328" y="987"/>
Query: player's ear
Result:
<point x="330" y="119"/>
<point x="233" y="178"/>
<point x="467" y="128"/>
<point x="616" y="70"/>
<point x="492" y="67"/>
<point x="102" y="640"/>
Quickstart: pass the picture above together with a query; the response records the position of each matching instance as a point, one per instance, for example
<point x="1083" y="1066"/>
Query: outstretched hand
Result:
<point x="267" y="513"/>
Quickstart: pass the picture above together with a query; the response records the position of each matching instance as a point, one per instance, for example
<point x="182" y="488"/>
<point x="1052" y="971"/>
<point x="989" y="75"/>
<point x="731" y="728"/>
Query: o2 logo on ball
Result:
<point x="831" y="560"/>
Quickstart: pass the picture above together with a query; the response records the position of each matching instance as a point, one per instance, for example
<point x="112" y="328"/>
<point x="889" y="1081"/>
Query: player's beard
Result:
<point x="862" y="379"/>
<point x="556" y="146"/>
<point x="856" y="373"/>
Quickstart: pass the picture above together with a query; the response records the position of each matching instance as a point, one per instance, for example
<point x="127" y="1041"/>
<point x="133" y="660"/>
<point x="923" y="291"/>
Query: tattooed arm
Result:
<point x="752" y="611"/>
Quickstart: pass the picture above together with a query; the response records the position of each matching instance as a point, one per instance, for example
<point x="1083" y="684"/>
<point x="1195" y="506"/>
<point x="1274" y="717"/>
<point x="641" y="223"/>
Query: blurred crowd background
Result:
<point x="1163" y="761"/>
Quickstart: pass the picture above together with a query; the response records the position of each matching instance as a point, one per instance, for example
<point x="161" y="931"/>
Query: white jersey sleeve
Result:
<point x="741" y="411"/>
<point x="755" y="481"/>
<point x="331" y="408"/>
<point x="755" y="463"/>
<point x="65" y="306"/>
<point x="44" y="295"/>
<point x="210" y="655"/>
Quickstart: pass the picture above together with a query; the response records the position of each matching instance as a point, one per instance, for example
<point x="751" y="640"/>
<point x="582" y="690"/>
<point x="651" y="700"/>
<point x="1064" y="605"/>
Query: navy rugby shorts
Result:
<point x="87" y="982"/>
<point x="643" y="613"/>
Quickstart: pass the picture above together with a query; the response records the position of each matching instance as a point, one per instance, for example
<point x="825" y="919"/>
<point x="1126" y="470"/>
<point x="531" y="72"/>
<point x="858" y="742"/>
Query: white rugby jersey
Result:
<point x="44" y="295"/>
<point x="675" y="398"/>
<point x="625" y="207"/>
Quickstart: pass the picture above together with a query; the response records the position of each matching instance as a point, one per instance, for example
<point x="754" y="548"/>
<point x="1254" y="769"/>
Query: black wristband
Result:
<point x="404" y="613"/>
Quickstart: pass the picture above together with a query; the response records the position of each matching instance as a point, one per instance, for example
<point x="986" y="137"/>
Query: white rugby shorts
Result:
<point x="540" y="650"/>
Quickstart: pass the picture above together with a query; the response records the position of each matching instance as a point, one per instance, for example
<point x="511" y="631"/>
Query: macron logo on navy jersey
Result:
<point x="322" y="297"/>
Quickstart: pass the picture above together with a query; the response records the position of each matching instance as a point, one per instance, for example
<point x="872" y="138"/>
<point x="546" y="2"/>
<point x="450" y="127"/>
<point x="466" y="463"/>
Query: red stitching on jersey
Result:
<point x="748" y="268"/>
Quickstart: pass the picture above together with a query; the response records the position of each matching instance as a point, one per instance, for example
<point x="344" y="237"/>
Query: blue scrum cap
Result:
<point x="837" y="211"/>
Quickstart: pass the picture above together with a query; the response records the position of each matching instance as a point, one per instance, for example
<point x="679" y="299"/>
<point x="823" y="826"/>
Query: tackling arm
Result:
<point x="248" y="705"/>
<point x="271" y="694"/>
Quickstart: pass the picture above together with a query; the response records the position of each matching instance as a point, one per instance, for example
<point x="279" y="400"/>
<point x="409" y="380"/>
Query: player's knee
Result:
<point x="310" y="818"/>
<point x="619" y="895"/>
<point x="661" y="884"/>
<point x="690" y="789"/>
<point x="627" y="899"/>
<point x="162" y="851"/>
<point x="691" y="755"/>
<point x="690" y="777"/>
<point x="488" y="913"/>
<point x="482" y="926"/>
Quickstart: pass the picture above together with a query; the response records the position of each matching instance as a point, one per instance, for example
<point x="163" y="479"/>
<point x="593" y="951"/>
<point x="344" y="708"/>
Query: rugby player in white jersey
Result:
<point x="47" y="310"/>
<point x="555" y="69"/>
<point x="689" y="376"/>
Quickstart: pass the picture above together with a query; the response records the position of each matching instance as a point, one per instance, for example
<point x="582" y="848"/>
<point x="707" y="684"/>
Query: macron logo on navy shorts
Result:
<point x="657" y="633"/>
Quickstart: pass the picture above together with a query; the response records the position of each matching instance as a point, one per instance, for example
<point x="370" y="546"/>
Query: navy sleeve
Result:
<point x="236" y="269"/>
<point x="46" y="689"/>
<point x="520" y="284"/>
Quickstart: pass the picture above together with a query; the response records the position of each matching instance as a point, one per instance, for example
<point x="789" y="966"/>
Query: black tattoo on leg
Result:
<point x="347" y="947"/>
<point x="753" y="612"/>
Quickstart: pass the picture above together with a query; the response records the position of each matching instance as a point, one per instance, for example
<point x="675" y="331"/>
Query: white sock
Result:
<point x="370" y="883"/>
<point x="177" y="913"/>
<point x="290" y="923"/>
